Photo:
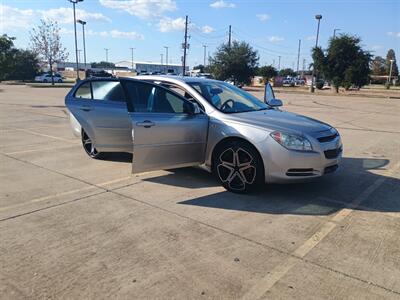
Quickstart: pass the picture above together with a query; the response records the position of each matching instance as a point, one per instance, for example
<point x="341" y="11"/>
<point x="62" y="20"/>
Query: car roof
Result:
<point x="173" y="78"/>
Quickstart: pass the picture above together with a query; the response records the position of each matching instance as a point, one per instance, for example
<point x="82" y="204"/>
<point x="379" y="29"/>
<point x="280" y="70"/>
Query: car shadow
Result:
<point x="323" y="196"/>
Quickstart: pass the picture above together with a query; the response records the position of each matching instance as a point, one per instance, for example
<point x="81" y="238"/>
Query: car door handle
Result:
<point x="146" y="124"/>
<point x="85" y="108"/>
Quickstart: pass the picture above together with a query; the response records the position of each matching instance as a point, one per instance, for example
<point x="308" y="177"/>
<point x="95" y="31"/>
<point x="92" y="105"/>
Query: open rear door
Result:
<point x="167" y="131"/>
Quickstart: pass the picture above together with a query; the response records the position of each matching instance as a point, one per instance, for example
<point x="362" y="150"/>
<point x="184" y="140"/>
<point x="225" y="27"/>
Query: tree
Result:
<point x="237" y="61"/>
<point x="16" y="64"/>
<point x="391" y="56"/>
<point x="46" y="43"/>
<point x="267" y="72"/>
<point x="344" y="63"/>
<point x="378" y="66"/>
<point x="199" y="67"/>
<point x="103" y="65"/>
<point x="287" y="72"/>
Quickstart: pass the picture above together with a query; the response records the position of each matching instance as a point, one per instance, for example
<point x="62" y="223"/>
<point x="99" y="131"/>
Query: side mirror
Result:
<point x="269" y="97"/>
<point x="275" y="102"/>
<point x="191" y="108"/>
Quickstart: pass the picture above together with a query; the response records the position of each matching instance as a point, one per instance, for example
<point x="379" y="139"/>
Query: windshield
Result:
<point x="227" y="98"/>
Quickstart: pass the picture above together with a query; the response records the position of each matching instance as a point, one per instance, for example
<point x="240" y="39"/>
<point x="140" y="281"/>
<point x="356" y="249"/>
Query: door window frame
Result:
<point x="131" y="106"/>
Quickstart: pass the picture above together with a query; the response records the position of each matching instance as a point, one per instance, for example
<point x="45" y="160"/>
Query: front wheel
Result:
<point x="89" y="146"/>
<point x="238" y="167"/>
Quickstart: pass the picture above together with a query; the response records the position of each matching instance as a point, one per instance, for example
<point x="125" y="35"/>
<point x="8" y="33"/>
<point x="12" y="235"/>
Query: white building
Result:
<point x="151" y="67"/>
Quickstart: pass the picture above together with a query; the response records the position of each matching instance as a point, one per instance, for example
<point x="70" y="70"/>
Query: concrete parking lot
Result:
<point x="76" y="228"/>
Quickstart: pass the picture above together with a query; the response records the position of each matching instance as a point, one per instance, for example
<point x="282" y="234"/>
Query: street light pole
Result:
<point x="74" y="2"/>
<point x="334" y="32"/>
<point x="312" y="90"/>
<point x="390" y="72"/>
<point x="84" y="42"/>
<point x="204" y="58"/>
<point x="166" y="55"/>
<point x="162" y="62"/>
<point x="106" y="49"/>
<point x="132" y="56"/>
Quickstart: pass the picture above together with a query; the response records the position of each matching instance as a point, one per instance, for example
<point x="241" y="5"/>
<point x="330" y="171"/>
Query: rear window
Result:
<point x="108" y="90"/>
<point x="83" y="92"/>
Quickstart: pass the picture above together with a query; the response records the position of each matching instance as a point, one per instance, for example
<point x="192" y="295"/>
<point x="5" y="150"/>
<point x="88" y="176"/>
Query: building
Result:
<point x="150" y="67"/>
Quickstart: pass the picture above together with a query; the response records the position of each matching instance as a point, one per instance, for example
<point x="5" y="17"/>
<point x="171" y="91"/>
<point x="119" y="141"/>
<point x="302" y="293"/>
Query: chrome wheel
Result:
<point x="88" y="146"/>
<point x="236" y="169"/>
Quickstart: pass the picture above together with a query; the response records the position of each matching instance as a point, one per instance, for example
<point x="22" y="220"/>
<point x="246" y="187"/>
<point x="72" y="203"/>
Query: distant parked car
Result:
<point x="47" y="78"/>
<point x="288" y="81"/>
<point x="98" y="74"/>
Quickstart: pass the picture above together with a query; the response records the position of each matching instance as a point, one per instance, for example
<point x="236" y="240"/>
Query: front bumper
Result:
<point x="282" y="165"/>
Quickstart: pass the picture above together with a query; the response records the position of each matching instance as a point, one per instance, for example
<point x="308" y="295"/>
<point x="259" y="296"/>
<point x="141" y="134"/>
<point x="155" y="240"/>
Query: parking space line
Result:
<point x="266" y="283"/>
<point x="42" y="149"/>
<point x="44" y="198"/>
<point x="46" y="135"/>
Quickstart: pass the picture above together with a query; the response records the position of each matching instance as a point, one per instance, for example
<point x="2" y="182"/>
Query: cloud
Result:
<point x="64" y="15"/>
<point x="395" y="34"/>
<point x="275" y="39"/>
<point x="167" y="24"/>
<point x="207" y="29"/>
<point x="376" y="47"/>
<point x="127" y="35"/>
<point x="143" y="9"/>
<point x="15" y="18"/>
<point x="132" y="35"/>
<point x="263" y="17"/>
<point x="311" y="38"/>
<point x="222" y="4"/>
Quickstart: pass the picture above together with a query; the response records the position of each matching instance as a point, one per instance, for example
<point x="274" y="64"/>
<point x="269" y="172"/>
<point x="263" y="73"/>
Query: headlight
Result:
<point x="291" y="141"/>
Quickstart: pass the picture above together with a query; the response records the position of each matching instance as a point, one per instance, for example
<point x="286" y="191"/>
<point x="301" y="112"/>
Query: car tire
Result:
<point x="89" y="147"/>
<point x="238" y="166"/>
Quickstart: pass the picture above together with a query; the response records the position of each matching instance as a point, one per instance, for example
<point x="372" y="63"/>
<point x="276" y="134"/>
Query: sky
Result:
<point x="272" y="27"/>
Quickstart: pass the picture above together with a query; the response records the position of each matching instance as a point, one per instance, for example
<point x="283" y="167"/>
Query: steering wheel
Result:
<point x="226" y="106"/>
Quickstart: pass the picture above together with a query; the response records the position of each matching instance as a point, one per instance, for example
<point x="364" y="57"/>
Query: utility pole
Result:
<point x="132" y="56"/>
<point x="106" y="49"/>
<point x="185" y="46"/>
<point x="230" y="36"/>
<point x="304" y="67"/>
<point x="273" y="63"/>
<point x="298" y="57"/>
<point x="166" y="55"/>
<point x="162" y="61"/>
<point x="205" y="50"/>
<point x="279" y="63"/>
<point x="312" y="90"/>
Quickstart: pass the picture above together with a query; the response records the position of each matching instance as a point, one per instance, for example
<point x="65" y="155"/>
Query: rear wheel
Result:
<point x="89" y="147"/>
<point x="238" y="166"/>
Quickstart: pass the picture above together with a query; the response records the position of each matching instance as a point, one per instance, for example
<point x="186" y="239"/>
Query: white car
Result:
<point x="47" y="78"/>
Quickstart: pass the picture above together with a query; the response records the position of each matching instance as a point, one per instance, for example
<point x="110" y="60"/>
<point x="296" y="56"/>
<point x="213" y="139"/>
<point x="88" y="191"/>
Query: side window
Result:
<point x="84" y="92"/>
<point x="151" y="98"/>
<point x="108" y="90"/>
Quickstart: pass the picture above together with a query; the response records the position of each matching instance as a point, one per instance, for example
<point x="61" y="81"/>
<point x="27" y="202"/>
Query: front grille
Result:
<point x="333" y="153"/>
<point x="326" y="139"/>
<point x="300" y="172"/>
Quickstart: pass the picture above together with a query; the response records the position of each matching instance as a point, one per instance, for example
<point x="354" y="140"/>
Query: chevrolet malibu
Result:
<point x="171" y="122"/>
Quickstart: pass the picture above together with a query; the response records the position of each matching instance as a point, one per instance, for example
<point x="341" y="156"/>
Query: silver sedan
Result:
<point x="170" y="122"/>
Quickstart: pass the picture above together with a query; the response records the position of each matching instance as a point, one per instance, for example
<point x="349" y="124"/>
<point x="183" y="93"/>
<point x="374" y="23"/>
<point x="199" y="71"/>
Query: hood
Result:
<point x="273" y="119"/>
